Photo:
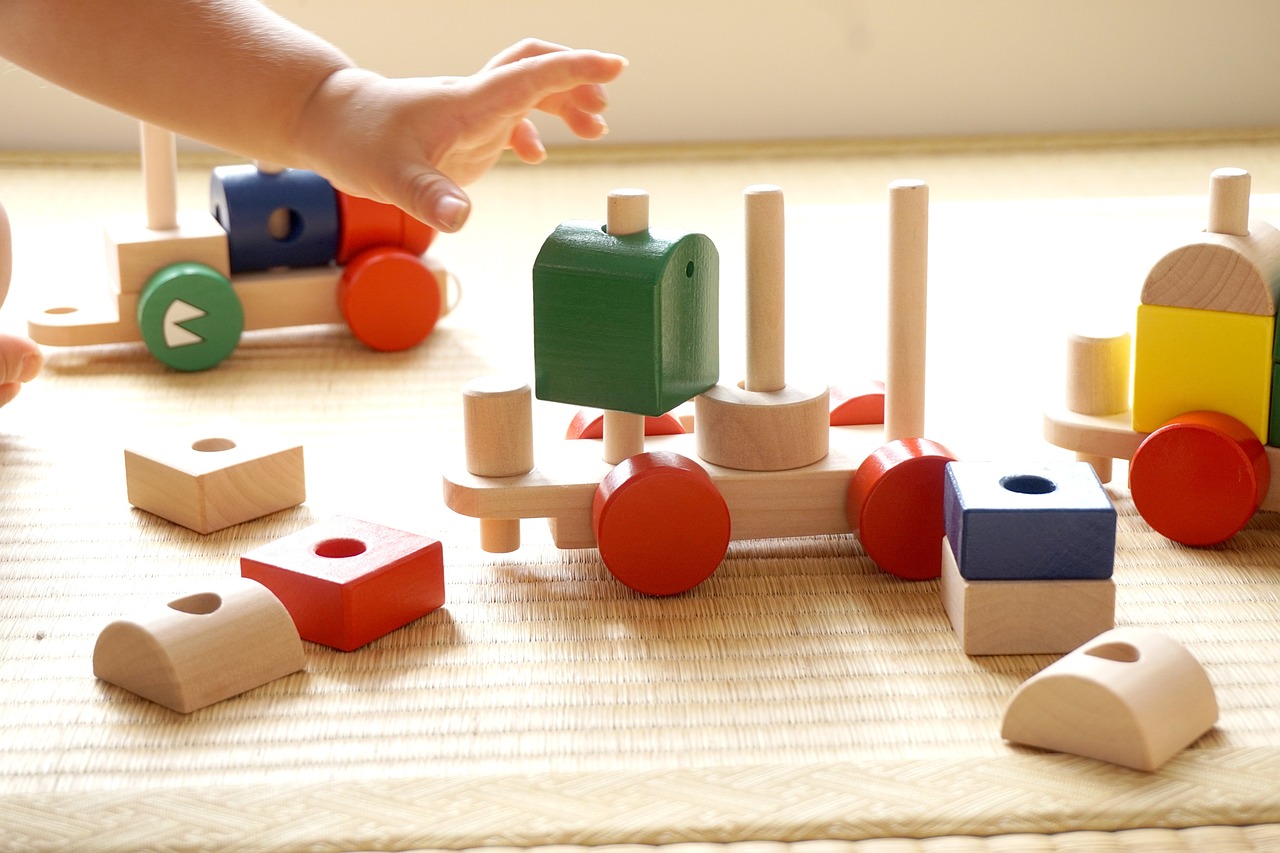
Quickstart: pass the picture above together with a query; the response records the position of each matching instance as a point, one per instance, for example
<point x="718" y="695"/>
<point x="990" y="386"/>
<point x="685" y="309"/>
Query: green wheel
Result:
<point x="189" y="316"/>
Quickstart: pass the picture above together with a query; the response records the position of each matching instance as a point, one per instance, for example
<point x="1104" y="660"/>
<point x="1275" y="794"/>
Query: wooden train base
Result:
<point x="766" y="459"/>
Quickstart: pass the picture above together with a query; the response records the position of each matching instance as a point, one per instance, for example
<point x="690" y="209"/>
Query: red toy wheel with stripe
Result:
<point x="661" y="524"/>
<point x="1199" y="478"/>
<point x="389" y="298"/>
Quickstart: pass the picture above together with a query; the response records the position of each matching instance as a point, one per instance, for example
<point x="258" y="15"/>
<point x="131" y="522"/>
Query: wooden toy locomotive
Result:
<point x="1203" y="432"/>
<point x="626" y="319"/>
<point x="282" y="248"/>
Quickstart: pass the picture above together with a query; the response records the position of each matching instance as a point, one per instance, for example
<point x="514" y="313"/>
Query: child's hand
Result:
<point x="415" y="142"/>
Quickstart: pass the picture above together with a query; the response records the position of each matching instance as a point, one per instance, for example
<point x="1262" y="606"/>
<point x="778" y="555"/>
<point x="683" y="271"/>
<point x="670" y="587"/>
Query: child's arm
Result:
<point x="240" y="77"/>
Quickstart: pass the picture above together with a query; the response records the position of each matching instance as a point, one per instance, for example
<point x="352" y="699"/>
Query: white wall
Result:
<point x="801" y="69"/>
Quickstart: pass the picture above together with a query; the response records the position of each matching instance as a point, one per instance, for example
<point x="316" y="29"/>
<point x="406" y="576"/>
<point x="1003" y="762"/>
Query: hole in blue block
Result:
<point x="1028" y="484"/>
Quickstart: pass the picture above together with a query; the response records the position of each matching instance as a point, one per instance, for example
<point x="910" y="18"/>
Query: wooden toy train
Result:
<point x="1203" y="434"/>
<point x="282" y="248"/>
<point x="626" y="320"/>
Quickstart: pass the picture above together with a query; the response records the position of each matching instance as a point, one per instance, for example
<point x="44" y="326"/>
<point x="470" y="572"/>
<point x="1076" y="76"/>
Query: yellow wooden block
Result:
<point x="1188" y="360"/>
<point x="135" y="252"/>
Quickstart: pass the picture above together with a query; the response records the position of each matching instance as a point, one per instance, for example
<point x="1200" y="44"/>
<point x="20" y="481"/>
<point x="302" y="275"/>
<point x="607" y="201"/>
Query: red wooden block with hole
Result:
<point x="895" y="504"/>
<point x="661" y="524"/>
<point x="348" y="582"/>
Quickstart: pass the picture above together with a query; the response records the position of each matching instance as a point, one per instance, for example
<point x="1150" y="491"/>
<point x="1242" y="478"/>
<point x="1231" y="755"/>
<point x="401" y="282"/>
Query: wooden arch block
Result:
<point x="201" y="648"/>
<point x="1130" y="696"/>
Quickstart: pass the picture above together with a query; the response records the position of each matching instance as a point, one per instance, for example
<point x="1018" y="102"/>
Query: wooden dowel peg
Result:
<point x="908" y="276"/>
<point x="1229" y="202"/>
<point x="160" y="176"/>
<point x="766" y="284"/>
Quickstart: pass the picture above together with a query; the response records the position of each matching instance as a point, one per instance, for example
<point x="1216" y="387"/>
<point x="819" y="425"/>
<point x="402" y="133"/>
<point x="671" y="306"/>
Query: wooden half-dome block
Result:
<point x="201" y="648"/>
<point x="1130" y="696"/>
<point x="1234" y="265"/>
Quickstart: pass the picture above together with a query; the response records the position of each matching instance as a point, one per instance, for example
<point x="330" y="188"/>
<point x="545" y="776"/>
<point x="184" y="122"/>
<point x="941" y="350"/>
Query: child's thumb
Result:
<point x="438" y="201"/>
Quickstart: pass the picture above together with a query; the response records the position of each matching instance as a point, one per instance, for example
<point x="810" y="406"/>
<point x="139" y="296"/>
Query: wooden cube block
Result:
<point x="1029" y="522"/>
<point x="1024" y="617"/>
<point x="201" y="648"/>
<point x="348" y="582"/>
<point x="136" y="252"/>
<point x="211" y="481"/>
<point x="627" y="322"/>
<point x="1187" y="360"/>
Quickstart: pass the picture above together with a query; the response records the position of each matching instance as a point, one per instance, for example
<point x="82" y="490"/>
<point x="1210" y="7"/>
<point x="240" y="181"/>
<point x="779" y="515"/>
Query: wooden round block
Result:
<point x="661" y="524"/>
<point x="895" y="505"/>
<point x="389" y="298"/>
<point x="365" y="224"/>
<point x="1199" y="478"/>
<point x="189" y="316"/>
<point x="497" y="418"/>
<point x="762" y="430"/>
<point x="1098" y="373"/>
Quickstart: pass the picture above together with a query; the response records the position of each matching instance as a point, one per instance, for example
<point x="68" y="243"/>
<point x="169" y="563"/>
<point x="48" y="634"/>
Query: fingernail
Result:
<point x="30" y="367"/>
<point x="452" y="211"/>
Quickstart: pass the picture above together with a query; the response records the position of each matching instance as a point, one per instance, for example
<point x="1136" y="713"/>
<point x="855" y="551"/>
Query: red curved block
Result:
<point x="389" y="298"/>
<point x="348" y="582"/>
<point x="858" y="405"/>
<point x="895" y="504"/>
<point x="367" y="224"/>
<point x="1199" y="478"/>
<point x="661" y="524"/>
<point x="589" y="423"/>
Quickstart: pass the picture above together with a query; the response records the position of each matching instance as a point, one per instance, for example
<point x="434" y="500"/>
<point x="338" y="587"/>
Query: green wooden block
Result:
<point x="629" y="323"/>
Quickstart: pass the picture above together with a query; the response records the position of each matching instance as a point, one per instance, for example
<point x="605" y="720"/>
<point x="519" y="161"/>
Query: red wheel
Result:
<point x="1199" y="478"/>
<point x="389" y="298"/>
<point x="895" y="504"/>
<point x="661" y="523"/>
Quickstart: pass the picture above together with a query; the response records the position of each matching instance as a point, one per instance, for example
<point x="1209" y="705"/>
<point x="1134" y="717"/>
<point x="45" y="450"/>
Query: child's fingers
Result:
<point x="526" y="143"/>
<point x="436" y="200"/>
<point x="551" y="81"/>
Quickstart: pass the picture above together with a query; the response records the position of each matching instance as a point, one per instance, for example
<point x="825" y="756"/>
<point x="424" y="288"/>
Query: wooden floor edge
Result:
<point x="605" y="153"/>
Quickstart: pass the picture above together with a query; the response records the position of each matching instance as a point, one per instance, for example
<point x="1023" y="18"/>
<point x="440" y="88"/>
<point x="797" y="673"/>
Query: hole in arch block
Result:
<point x="209" y="479"/>
<point x="201" y="648"/>
<point x="347" y="582"/>
<point x="1018" y="521"/>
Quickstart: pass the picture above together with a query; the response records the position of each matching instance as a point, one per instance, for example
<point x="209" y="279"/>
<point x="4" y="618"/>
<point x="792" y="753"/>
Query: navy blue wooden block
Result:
<point x="283" y="219"/>
<point x="1007" y="521"/>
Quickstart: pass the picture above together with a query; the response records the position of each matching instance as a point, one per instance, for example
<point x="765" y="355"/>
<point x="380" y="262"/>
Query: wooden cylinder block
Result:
<point x="1229" y="202"/>
<point x="201" y="648"/>
<point x="762" y="430"/>
<point x="1098" y="374"/>
<point x="766" y="283"/>
<point x="497" y="418"/>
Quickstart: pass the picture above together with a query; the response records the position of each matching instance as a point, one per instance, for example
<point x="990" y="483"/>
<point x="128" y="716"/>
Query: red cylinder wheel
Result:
<point x="661" y="524"/>
<point x="1199" y="478"/>
<point x="895" y="504"/>
<point x="389" y="298"/>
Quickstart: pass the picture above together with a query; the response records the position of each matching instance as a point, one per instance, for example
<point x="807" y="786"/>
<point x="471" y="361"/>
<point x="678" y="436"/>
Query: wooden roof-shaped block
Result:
<point x="1233" y="266"/>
